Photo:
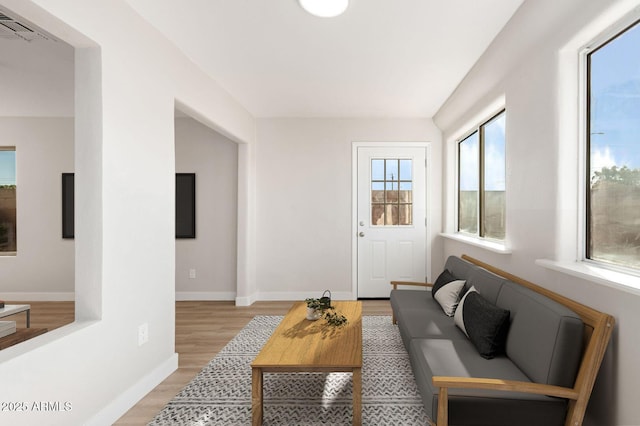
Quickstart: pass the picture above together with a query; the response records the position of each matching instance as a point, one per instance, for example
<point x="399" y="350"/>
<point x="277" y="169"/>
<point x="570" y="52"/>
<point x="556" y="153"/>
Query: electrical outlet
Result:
<point x="143" y="334"/>
<point x="192" y="273"/>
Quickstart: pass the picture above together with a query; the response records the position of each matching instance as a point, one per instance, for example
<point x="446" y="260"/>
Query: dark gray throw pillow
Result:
<point x="444" y="278"/>
<point x="486" y="325"/>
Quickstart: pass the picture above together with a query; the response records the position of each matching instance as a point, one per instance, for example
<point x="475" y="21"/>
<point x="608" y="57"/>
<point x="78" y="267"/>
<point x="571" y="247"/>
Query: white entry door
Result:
<point x="391" y="215"/>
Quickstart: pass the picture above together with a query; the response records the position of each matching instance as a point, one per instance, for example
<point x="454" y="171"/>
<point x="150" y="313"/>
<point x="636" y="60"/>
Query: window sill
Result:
<point x="614" y="279"/>
<point x="493" y="246"/>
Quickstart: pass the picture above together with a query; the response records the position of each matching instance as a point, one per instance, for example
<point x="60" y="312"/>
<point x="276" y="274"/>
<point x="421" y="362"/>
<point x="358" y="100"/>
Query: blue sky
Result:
<point x="7" y="167"/>
<point x="494" y="167"/>
<point x="378" y="174"/>
<point x="615" y="102"/>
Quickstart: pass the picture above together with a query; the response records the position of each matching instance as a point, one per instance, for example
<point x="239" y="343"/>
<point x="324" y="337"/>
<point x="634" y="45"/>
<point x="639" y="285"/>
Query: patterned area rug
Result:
<point x="221" y="393"/>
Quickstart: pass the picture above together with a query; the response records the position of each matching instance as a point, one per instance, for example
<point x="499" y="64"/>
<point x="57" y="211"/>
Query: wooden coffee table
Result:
<point x="300" y="345"/>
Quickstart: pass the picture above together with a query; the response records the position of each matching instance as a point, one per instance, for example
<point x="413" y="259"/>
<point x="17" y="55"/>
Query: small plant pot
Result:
<point x="313" y="314"/>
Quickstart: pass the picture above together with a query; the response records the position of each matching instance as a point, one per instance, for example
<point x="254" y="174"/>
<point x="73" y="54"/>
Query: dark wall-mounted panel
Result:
<point x="67" y="205"/>
<point x="185" y="205"/>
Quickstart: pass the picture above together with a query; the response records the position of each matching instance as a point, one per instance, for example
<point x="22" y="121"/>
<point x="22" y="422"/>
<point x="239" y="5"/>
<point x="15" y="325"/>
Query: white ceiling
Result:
<point x="36" y="73"/>
<point x="382" y="58"/>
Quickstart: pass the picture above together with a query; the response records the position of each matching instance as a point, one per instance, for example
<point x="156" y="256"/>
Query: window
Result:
<point x="613" y="150"/>
<point x="391" y="192"/>
<point x="481" y="180"/>
<point x="7" y="200"/>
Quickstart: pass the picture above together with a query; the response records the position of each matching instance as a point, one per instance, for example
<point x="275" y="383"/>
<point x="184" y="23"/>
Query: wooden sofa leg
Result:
<point x="393" y="318"/>
<point x="443" y="407"/>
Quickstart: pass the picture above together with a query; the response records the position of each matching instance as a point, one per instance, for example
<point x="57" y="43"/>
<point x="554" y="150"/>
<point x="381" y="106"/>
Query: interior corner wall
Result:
<point x="525" y="65"/>
<point x="304" y="200"/>
<point x="44" y="150"/>
<point x="206" y="265"/>
<point x="125" y="230"/>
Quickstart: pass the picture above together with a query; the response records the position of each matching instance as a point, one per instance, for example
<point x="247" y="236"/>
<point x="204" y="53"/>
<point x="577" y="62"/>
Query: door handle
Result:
<point x="361" y="234"/>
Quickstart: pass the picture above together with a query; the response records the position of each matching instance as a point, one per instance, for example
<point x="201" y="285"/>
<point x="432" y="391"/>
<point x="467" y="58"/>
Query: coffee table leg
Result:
<point x="256" y="396"/>
<point x="357" y="396"/>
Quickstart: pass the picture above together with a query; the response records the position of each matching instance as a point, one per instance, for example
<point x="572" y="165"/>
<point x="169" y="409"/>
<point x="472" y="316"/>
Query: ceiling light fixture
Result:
<point x="324" y="8"/>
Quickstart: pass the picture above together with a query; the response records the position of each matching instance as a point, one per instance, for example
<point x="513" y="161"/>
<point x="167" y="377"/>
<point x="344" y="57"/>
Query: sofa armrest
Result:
<point x="444" y="383"/>
<point x="395" y="284"/>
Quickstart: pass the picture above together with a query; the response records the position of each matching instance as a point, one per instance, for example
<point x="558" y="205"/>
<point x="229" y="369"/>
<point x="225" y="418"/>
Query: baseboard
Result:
<point x="118" y="407"/>
<point x="188" y="295"/>
<point x="245" y="301"/>
<point x="289" y="296"/>
<point x="301" y="295"/>
<point x="205" y="295"/>
<point x="39" y="297"/>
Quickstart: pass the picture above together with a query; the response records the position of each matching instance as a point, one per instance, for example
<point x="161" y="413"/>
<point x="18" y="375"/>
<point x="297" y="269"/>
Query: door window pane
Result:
<point x="377" y="170"/>
<point x="391" y="192"/>
<point x="406" y="170"/>
<point x="613" y="135"/>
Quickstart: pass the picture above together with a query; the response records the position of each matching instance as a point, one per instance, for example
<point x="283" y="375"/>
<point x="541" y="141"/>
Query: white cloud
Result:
<point x="469" y="165"/>
<point x="494" y="168"/>
<point x="601" y="158"/>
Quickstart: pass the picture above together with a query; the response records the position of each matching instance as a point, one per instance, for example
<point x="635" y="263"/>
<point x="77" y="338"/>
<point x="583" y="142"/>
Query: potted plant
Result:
<point x="314" y="310"/>
<point x="318" y="308"/>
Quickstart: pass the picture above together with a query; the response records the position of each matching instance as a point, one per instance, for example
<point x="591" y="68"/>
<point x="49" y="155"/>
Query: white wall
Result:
<point x="304" y="199"/>
<point x="44" y="150"/>
<point x="212" y="254"/>
<point x="127" y="83"/>
<point x="533" y="64"/>
<point x="36" y="78"/>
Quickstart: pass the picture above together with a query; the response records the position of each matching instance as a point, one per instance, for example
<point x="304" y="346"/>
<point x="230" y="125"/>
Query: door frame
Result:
<point x="354" y="202"/>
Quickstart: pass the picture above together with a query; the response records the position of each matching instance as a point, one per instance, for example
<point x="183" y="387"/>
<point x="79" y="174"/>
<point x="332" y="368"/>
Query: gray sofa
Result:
<point x="543" y="344"/>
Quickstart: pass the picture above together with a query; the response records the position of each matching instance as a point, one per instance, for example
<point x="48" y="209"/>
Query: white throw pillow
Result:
<point x="448" y="295"/>
<point x="458" y="318"/>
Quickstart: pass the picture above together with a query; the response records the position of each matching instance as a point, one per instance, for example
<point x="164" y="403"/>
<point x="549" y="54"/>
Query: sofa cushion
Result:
<point x="486" y="283"/>
<point x="410" y="299"/>
<point x="448" y="296"/>
<point x="426" y="322"/>
<point x="485" y="324"/>
<point x="443" y="357"/>
<point x="418" y="316"/>
<point x="459" y="268"/>
<point x="544" y="338"/>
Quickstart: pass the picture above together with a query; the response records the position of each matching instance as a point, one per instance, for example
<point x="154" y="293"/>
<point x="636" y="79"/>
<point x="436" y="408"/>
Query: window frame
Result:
<point x="13" y="148"/>
<point x="479" y="129"/>
<point x="584" y="219"/>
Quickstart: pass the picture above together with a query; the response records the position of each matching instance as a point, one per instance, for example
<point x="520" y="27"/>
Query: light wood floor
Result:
<point x="202" y="330"/>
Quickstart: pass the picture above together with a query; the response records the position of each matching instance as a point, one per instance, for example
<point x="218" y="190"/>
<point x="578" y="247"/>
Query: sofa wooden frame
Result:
<point x="598" y="327"/>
